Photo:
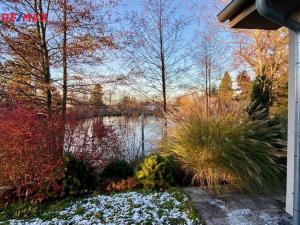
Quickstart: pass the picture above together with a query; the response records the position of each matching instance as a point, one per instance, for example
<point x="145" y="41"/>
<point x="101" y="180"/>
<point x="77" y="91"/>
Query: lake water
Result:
<point x="129" y="132"/>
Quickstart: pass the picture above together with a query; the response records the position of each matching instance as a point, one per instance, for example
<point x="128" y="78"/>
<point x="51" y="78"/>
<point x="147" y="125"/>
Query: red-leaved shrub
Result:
<point x="92" y="141"/>
<point x="32" y="146"/>
<point x="30" y="153"/>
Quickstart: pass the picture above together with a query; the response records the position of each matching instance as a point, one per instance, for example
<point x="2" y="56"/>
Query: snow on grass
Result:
<point x="124" y="208"/>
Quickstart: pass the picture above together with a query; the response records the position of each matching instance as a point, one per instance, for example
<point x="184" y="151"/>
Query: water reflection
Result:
<point x="128" y="129"/>
<point x="130" y="132"/>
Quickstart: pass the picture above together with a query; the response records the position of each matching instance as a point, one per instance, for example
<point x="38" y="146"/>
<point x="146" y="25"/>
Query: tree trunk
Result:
<point x="41" y="27"/>
<point x="163" y="67"/>
<point x="65" y="78"/>
<point x="65" y="69"/>
<point x="163" y="73"/>
<point x="209" y="80"/>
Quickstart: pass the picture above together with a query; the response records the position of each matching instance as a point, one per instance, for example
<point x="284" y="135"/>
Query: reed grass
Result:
<point x="226" y="147"/>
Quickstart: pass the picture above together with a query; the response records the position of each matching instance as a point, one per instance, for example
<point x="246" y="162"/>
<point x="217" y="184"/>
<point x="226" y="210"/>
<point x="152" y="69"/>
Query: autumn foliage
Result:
<point x="92" y="142"/>
<point x="122" y="185"/>
<point x="30" y="153"/>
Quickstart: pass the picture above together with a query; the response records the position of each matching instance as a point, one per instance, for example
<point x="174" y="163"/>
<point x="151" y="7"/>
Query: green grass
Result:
<point x="44" y="211"/>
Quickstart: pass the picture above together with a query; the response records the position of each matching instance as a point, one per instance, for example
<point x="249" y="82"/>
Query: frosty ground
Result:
<point x="124" y="208"/>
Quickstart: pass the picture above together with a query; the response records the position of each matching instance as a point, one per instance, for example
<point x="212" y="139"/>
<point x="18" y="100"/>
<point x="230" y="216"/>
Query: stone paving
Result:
<point x="235" y="208"/>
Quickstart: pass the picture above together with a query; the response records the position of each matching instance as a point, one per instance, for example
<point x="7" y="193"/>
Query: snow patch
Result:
<point x="247" y="216"/>
<point x="240" y="217"/>
<point x="125" y="208"/>
<point x="268" y="219"/>
<point x="218" y="203"/>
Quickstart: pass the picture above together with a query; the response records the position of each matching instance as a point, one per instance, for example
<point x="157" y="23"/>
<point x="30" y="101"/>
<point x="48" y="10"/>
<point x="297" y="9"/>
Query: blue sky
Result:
<point x="206" y="10"/>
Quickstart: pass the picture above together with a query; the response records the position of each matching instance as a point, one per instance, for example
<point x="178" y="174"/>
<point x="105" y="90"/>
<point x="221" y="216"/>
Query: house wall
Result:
<point x="294" y="79"/>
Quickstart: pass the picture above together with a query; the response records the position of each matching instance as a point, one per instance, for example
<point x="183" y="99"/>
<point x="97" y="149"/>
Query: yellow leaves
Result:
<point x="265" y="50"/>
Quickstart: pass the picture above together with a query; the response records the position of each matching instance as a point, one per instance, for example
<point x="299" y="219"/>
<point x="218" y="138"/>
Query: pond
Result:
<point x="129" y="131"/>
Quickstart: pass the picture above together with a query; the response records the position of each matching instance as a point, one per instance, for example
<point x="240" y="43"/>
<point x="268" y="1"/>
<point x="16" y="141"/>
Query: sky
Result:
<point x="204" y="10"/>
<point x="200" y="9"/>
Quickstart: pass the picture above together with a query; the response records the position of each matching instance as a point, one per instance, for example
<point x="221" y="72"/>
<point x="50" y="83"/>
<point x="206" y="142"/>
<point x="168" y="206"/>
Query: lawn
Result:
<point x="171" y="207"/>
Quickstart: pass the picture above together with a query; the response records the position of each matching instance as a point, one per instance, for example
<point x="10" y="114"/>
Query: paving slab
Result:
<point x="231" y="207"/>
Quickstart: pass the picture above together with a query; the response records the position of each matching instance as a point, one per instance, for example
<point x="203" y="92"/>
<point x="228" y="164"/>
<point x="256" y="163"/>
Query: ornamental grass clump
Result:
<point x="226" y="148"/>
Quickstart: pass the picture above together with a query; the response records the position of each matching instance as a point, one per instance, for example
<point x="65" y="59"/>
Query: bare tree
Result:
<point x="208" y="54"/>
<point x="156" y="51"/>
<point x="65" y="63"/>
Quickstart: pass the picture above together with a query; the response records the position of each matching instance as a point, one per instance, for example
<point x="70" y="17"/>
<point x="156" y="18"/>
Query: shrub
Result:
<point x="226" y="148"/>
<point x="280" y="119"/>
<point x="121" y="185"/>
<point x="118" y="169"/>
<point x="156" y="172"/>
<point x="180" y="176"/>
<point x="30" y="152"/>
<point x="79" y="176"/>
<point x="260" y="97"/>
<point x="92" y="141"/>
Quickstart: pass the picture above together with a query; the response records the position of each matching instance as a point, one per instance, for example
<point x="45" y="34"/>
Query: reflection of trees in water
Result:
<point x="130" y="133"/>
<point x="93" y="141"/>
<point x="112" y="137"/>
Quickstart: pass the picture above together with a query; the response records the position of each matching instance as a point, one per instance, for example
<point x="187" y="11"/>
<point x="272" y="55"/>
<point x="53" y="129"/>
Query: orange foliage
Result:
<point x="122" y="185"/>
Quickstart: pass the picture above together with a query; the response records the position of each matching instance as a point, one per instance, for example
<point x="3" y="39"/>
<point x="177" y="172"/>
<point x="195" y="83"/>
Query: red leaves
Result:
<point x="30" y="154"/>
<point x="31" y="147"/>
<point x="93" y="142"/>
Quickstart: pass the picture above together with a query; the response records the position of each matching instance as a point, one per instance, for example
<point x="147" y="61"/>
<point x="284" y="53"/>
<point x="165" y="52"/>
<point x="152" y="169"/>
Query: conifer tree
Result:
<point x="96" y="99"/>
<point x="225" y="90"/>
<point x="261" y="97"/>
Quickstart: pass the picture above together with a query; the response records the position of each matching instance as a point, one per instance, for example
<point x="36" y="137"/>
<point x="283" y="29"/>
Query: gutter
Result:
<point x="266" y="10"/>
<point x="233" y="8"/>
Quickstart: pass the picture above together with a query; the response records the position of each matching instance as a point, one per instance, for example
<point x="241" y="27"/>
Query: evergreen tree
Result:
<point x="96" y="98"/>
<point x="225" y="90"/>
<point x="260" y="98"/>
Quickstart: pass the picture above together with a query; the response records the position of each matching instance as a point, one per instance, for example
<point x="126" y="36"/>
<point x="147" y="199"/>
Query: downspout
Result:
<point x="296" y="73"/>
<point x="296" y="201"/>
<point x="266" y="10"/>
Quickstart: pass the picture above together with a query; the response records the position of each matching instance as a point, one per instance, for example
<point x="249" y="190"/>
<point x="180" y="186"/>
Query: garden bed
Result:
<point x="171" y="207"/>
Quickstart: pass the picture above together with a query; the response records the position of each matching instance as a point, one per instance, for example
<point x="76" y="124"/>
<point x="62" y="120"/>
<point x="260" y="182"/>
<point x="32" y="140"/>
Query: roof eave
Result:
<point x="232" y="9"/>
<point x="261" y="14"/>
